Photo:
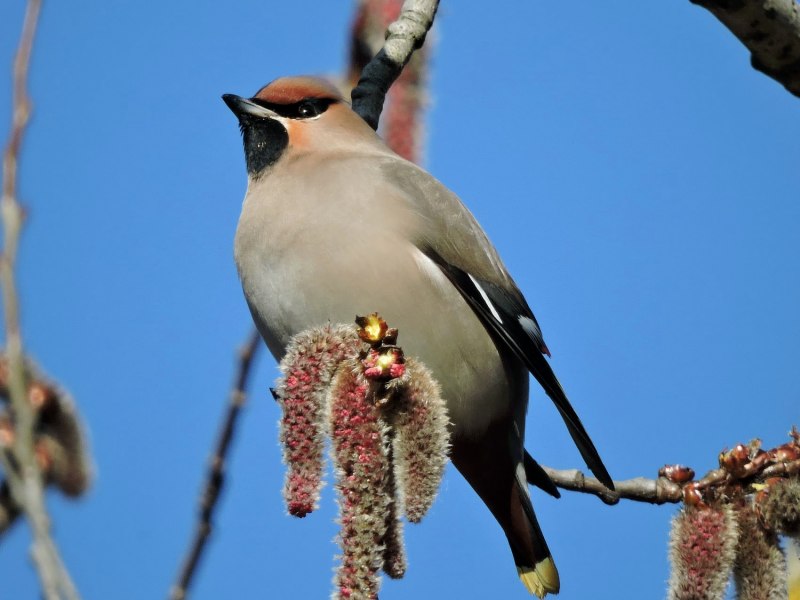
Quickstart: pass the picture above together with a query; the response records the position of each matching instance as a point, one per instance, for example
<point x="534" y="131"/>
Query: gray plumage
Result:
<point x="335" y="224"/>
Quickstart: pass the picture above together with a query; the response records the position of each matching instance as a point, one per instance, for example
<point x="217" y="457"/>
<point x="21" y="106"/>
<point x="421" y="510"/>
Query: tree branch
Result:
<point x="406" y="99"/>
<point x="640" y="489"/>
<point x="19" y="462"/>
<point x="740" y="468"/>
<point x="59" y="444"/>
<point x="215" y="478"/>
<point x="404" y="36"/>
<point x="771" y="31"/>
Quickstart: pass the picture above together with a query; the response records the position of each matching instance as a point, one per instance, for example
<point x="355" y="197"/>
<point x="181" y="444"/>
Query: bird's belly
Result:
<point x="287" y="295"/>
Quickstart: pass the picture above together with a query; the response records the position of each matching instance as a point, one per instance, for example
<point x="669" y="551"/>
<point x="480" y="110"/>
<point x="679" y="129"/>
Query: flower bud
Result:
<point x="676" y="473"/>
<point x="372" y="329"/>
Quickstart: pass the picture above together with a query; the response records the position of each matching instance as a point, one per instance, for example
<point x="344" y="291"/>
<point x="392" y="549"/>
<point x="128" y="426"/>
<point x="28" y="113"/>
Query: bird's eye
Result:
<point x="306" y="110"/>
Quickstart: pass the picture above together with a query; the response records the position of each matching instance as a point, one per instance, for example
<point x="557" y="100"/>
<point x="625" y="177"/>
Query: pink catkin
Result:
<point x="394" y="553"/>
<point x="310" y="361"/>
<point x="781" y="508"/>
<point x="418" y="416"/>
<point x="362" y="476"/>
<point x="760" y="568"/>
<point x="702" y="550"/>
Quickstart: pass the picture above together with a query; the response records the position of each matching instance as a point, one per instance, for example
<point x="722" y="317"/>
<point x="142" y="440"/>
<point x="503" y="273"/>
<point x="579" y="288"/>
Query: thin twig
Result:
<point x="770" y="29"/>
<point x="640" y="489"/>
<point x="215" y="478"/>
<point x="734" y="473"/>
<point x="404" y="36"/>
<point x="20" y="464"/>
<point x="59" y="442"/>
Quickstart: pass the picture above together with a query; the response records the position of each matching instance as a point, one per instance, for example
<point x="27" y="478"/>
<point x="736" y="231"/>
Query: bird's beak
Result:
<point x="243" y="107"/>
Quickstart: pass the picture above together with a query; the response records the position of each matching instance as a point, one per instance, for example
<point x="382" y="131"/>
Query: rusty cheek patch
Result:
<point x="297" y="134"/>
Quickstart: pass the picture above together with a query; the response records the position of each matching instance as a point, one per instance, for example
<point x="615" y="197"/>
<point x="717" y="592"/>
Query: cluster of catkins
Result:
<point x="389" y="441"/>
<point x="59" y="443"/>
<point x="737" y="532"/>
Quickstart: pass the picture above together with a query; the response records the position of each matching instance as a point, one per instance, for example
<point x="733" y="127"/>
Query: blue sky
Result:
<point x="638" y="177"/>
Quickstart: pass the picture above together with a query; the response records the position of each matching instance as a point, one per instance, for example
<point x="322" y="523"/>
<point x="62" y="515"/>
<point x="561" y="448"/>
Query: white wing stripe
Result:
<point x="486" y="300"/>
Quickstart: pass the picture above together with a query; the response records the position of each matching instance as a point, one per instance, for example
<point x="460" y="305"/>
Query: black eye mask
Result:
<point x="305" y="109"/>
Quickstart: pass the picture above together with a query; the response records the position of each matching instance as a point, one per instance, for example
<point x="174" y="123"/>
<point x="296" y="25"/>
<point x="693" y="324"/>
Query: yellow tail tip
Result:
<point x="541" y="579"/>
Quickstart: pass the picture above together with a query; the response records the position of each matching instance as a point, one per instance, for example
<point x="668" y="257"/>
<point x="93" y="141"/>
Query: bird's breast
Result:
<point x="306" y="259"/>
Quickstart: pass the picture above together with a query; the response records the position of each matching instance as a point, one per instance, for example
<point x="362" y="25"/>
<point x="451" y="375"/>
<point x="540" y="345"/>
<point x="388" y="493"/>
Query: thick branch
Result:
<point x="22" y="469"/>
<point x="215" y="478"/>
<point x="404" y="36"/>
<point x="404" y="104"/>
<point x="771" y="31"/>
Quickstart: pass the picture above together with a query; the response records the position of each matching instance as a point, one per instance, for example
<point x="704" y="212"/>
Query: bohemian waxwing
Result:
<point x="335" y="224"/>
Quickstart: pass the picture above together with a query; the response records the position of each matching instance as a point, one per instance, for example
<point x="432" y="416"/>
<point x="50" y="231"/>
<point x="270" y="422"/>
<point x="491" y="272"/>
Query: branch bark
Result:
<point x="737" y="473"/>
<point x="640" y="489"/>
<point x="770" y="29"/>
<point x="215" y="478"/>
<point x="19" y="462"/>
<point x="404" y="36"/>
<point x="406" y="99"/>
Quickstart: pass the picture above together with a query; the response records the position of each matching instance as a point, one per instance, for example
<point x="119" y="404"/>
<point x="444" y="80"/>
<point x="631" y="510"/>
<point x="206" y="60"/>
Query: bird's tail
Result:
<point x="535" y="565"/>
<point x="499" y="479"/>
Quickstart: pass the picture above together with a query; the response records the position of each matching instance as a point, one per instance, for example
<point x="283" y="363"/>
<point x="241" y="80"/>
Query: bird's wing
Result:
<point x="452" y="238"/>
<point x="537" y="476"/>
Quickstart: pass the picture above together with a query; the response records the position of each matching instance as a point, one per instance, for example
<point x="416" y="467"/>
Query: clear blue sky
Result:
<point x="638" y="177"/>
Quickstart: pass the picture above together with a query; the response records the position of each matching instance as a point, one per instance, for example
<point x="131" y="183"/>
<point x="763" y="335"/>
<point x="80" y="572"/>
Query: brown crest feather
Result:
<point x="288" y="90"/>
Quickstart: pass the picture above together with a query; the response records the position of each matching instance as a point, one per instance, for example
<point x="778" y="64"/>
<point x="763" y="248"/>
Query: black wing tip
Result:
<point x="530" y="350"/>
<point x="602" y="476"/>
<point x="537" y="476"/>
<point x="543" y="373"/>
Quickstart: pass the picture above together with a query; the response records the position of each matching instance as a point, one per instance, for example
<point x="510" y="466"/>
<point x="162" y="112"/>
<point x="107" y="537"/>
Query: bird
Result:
<point x="334" y="224"/>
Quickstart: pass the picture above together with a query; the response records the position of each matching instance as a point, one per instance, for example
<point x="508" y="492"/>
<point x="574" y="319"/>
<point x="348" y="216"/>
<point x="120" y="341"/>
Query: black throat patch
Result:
<point x="264" y="142"/>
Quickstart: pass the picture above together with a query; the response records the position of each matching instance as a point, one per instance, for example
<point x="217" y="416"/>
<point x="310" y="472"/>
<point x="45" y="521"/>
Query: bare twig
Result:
<point x="404" y="36"/>
<point x="22" y="469"/>
<point x="739" y="469"/>
<point x="640" y="489"/>
<point x="215" y="478"/>
<point x="771" y="31"/>
<point x="59" y="443"/>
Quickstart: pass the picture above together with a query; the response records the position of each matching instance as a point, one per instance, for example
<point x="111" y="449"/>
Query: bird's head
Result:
<point x="295" y="115"/>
